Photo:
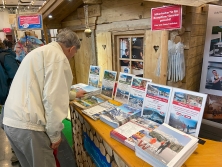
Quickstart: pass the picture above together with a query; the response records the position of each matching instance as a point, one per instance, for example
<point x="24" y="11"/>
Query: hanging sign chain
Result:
<point x="86" y="16"/>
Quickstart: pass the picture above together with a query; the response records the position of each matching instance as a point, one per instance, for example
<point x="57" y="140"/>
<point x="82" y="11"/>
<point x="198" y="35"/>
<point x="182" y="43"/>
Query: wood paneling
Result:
<point x="154" y="59"/>
<point x="93" y="11"/>
<point x="84" y="58"/>
<point x="104" y="51"/>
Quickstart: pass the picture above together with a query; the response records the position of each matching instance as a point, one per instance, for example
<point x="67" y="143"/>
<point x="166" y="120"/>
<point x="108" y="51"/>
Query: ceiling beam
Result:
<point x="184" y="2"/>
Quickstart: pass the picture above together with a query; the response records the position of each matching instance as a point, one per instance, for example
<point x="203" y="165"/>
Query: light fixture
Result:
<point x="50" y="16"/>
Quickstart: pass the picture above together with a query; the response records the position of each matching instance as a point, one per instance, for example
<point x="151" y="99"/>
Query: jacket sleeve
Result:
<point x="11" y="66"/>
<point x="55" y="99"/>
<point x="72" y="95"/>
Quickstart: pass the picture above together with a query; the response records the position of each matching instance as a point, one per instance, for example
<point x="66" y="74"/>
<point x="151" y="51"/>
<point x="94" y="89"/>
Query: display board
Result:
<point x="211" y="78"/>
<point x="29" y="21"/>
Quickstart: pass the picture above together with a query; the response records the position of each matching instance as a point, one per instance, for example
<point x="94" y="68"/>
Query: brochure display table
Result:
<point x="93" y="146"/>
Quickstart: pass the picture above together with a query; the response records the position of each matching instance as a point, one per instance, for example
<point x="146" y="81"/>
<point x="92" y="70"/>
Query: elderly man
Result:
<point x="38" y="101"/>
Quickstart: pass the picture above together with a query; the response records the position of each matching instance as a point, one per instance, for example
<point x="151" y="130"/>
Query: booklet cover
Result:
<point x="91" y="90"/>
<point x="123" y="87"/>
<point x="156" y="102"/>
<point x="119" y="115"/>
<point x="95" y="111"/>
<point x="186" y="111"/>
<point x="130" y="132"/>
<point x="108" y="83"/>
<point x="89" y="101"/>
<point x="165" y="144"/>
<point x="137" y="92"/>
<point x="94" y="75"/>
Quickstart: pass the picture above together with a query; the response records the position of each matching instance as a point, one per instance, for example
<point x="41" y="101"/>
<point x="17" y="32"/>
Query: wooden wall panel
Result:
<point x="104" y="51"/>
<point x="72" y="65"/>
<point x="83" y="58"/>
<point x="153" y="58"/>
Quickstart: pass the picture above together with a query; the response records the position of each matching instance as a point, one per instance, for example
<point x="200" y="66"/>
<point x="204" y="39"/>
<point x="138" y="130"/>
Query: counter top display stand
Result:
<point x="93" y="146"/>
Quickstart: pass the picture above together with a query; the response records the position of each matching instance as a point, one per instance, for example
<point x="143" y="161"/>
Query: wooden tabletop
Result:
<point x="207" y="155"/>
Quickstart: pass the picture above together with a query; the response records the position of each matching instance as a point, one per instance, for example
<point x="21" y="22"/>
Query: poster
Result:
<point x="211" y="78"/>
<point x="29" y="21"/>
<point x="123" y="87"/>
<point x="186" y="111"/>
<point x="94" y="74"/>
<point x="156" y="102"/>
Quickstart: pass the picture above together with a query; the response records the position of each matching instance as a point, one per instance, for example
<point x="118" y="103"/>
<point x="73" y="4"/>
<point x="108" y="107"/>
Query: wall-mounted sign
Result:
<point x="6" y="30"/>
<point x="166" y="18"/>
<point x="31" y="21"/>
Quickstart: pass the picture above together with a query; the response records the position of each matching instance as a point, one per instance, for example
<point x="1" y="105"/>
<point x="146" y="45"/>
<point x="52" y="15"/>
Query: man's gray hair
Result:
<point x="68" y="38"/>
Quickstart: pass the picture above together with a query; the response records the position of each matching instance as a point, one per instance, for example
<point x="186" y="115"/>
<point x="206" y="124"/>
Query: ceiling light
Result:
<point x="50" y="16"/>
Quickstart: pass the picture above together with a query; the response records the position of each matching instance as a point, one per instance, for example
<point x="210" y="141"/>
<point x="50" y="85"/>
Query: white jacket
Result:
<point x="39" y="95"/>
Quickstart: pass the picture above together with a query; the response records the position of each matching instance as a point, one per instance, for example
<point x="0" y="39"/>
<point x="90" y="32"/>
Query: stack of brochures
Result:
<point x="165" y="146"/>
<point x="129" y="133"/>
<point x="117" y="116"/>
<point x="91" y="90"/>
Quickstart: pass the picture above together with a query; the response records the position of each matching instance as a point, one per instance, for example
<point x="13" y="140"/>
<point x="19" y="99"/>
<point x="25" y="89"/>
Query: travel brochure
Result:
<point x="164" y="146"/>
<point x="123" y="87"/>
<point x="137" y="92"/>
<point x="119" y="115"/>
<point x="186" y="110"/>
<point x="156" y="102"/>
<point x="94" y="75"/>
<point x="108" y="82"/>
<point x="159" y="122"/>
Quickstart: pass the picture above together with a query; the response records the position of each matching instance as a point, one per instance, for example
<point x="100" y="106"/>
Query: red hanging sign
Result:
<point x="6" y="30"/>
<point x="166" y="18"/>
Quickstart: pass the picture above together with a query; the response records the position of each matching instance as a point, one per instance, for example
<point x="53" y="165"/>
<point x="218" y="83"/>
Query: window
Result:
<point x="130" y="54"/>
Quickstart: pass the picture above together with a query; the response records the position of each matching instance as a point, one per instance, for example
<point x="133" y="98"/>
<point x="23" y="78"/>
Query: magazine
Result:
<point x="108" y="83"/>
<point x="156" y="102"/>
<point x="186" y="111"/>
<point x="130" y="132"/>
<point x="123" y="87"/>
<point x="94" y="75"/>
<point x="95" y="111"/>
<point x="119" y="115"/>
<point x="165" y="146"/>
<point x="137" y="92"/>
<point x="91" y="90"/>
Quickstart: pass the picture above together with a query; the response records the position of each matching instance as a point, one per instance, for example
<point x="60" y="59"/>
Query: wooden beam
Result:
<point x="184" y="2"/>
<point x="92" y="2"/>
<point x="47" y="5"/>
<point x="52" y="8"/>
<point x="93" y="11"/>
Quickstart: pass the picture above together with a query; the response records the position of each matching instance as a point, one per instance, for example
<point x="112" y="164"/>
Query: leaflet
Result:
<point x="156" y="102"/>
<point x="94" y="75"/>
<point x="123" y="87"/>
<point x="186" y="111"/>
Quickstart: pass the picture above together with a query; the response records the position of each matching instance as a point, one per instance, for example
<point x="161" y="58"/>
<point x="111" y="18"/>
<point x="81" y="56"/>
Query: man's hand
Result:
<point x="80" y="93"/>
<point x="56" y="145"/>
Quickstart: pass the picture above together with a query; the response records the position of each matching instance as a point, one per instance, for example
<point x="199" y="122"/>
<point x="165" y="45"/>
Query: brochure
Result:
<point x="108" y="83"/>
<point x="156" y="102"/>
<point x="138" y="92"/>
<point x="186" y="110"/>
<point x="123" y="87"/>
<point x="94" y="75"/>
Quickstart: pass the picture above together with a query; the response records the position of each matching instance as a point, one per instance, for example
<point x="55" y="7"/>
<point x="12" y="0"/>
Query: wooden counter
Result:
<point x="207" y="155"/>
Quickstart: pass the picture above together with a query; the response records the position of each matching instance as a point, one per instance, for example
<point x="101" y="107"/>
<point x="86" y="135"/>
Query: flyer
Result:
<point x="186" y="111"/>
<point x="123" y="87"/>
<point x="108" y="83"/>
<point x="137" y="92"/>
<point x="94" y="74"/>
<point x="156" y="102"/>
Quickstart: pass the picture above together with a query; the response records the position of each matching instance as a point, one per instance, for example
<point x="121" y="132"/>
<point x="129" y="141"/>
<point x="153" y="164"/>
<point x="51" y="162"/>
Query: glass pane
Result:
<point x="124" y="48"/>
<point x="125" y="68"/>
<point x="137" y="68"/>
<point x="137" y="48"/>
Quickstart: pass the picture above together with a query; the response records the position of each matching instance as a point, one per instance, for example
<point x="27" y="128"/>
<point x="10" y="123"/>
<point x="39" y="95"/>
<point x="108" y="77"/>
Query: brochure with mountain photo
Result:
<point x="108" y="83"/>
<point x="165" y="146"/>
<point x="137" y="92"/>
<point x="156" y="102"/>
<point x="94" y="75"/>
<point x="186" y="111"/>
<point x="123" y="87"/>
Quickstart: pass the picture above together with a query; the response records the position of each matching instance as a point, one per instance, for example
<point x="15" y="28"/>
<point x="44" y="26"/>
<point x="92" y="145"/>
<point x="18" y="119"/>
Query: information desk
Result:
<point x="117" y="154"/>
